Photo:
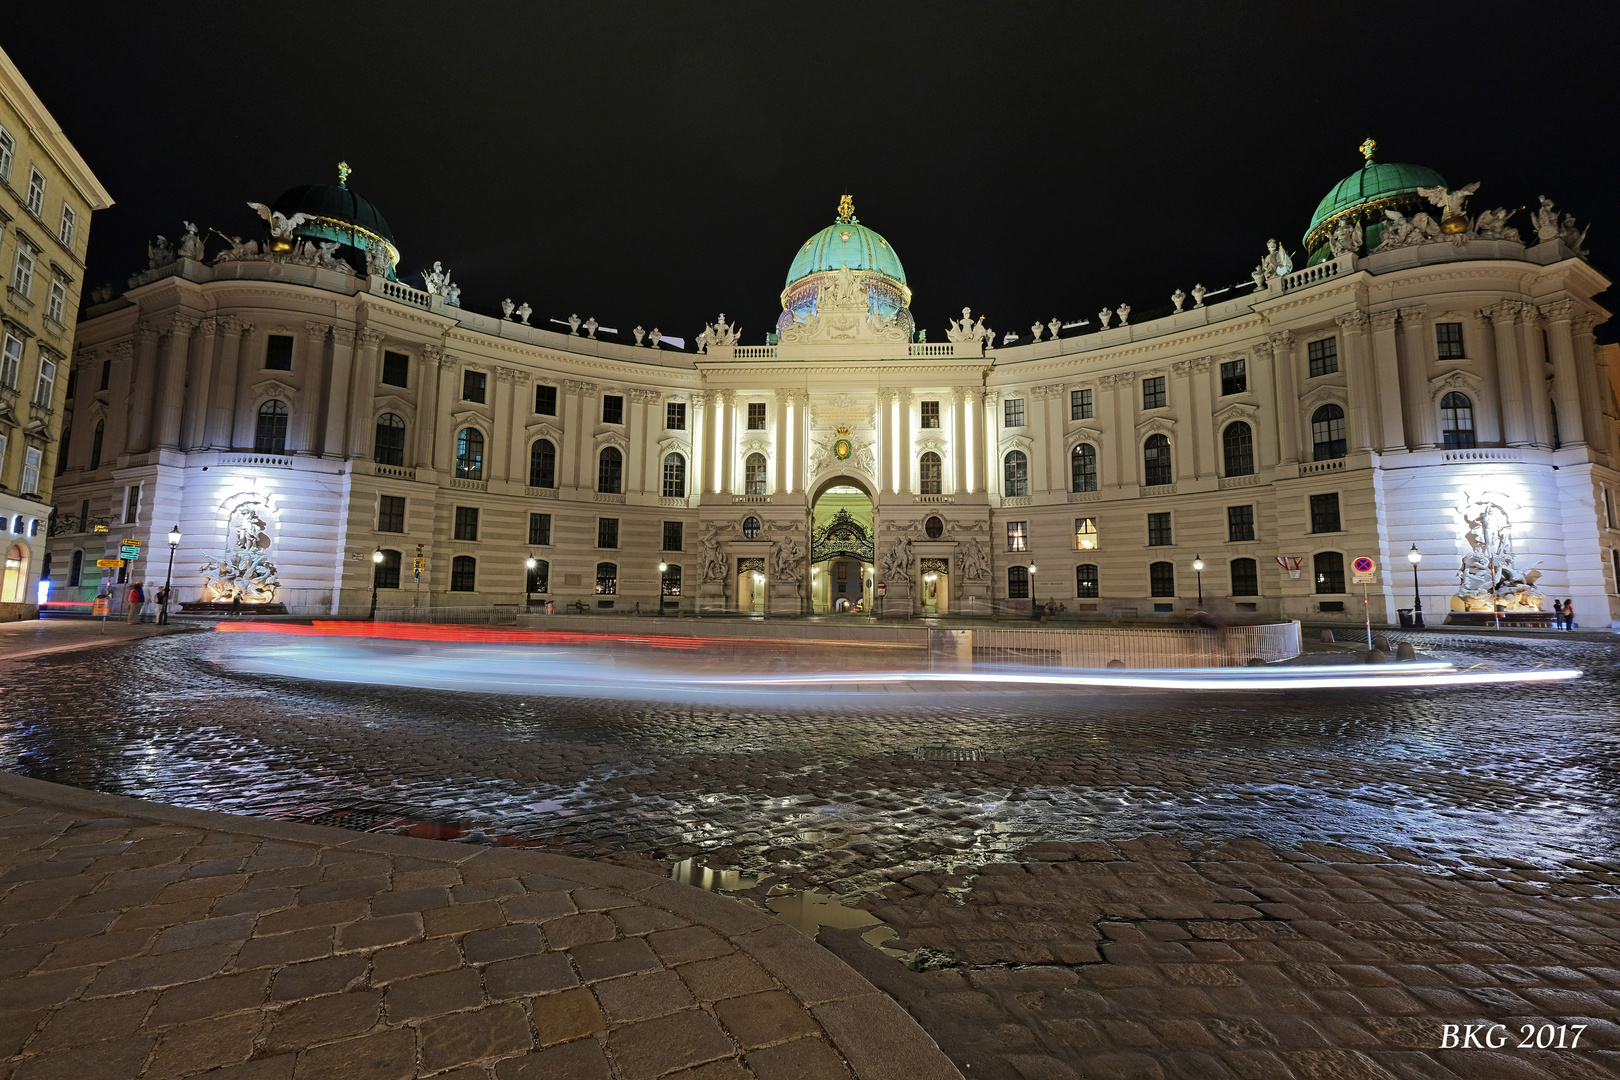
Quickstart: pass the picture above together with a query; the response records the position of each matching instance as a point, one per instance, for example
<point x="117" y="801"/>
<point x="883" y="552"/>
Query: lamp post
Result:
<point x="1198" y="568"/>
<point x="1414" y="557"/>
<point x="663" y="567"/>
<point x="528" y="585"/>
<point x="376" y="565"/>
<point x="1034" y="605"/>
<point x="168" y="575"/>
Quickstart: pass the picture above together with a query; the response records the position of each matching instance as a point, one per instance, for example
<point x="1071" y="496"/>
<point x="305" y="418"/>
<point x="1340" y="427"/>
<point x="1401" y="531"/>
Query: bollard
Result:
<point x="1327" y="636"/>
<point x="1116" y="663"/>
<point x="1381" y="643"/>
<point x="1375" y="656"/>
<point x="1255" y="661"/>
<point x="1404" y="651"/>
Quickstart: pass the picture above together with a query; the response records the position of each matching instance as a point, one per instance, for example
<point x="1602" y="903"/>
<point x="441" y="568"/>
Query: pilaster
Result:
<point x="1281" y="346"/>
<point x="1422" y="424"/>
<point x="1392" y="433"/>
<point x="194" y="412"/>
<point x="1566" y="381"/>
<point x="1358" y="377"/>
<point x="1516" y="428"/>
<point x="219" y="433"/>
<point x="141" y="382"/>
<point x="363" y="392"/>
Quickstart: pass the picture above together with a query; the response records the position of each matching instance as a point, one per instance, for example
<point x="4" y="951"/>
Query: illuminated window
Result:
<point x="470" y="454"/>
<point x="754" y="475"/>
<point x="1086" y="580"/>
<point x="538" y="580"/>
<point x="674" y="476"/>
<point x="1085" y="534"/>
<point x="751" y="528"/>
<point x="607" y="579"/>
<point x="669" y="581"/>
<point x="931" y="473"/>
<point x="1017" y="536"/>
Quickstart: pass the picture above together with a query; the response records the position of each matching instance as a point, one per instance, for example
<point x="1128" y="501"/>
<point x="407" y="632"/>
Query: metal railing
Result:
<point x="1166" y="647"/>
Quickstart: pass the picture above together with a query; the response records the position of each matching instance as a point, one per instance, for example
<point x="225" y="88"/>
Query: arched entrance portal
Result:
<point x="841" y="554"/>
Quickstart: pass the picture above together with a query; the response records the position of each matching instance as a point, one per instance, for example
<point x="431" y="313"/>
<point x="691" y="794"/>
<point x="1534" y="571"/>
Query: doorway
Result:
<point x="936" y="586"/>
<point x="751" y="586"/>
<point x="841" y="530"/>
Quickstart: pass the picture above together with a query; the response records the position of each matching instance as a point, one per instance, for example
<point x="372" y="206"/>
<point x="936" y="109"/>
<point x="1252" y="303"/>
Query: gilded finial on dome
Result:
<point x="1367" y="147"/>
<point x="846" y="208"/>
<point x="343" y="173"/>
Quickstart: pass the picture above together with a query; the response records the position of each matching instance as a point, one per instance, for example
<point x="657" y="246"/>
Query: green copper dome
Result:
<point x="1375" y="186"/>
<point x="846" y="243"/>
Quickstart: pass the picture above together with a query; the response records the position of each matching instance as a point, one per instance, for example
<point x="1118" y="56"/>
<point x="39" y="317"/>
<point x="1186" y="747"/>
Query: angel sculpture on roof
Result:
<point x="281" y="226"/>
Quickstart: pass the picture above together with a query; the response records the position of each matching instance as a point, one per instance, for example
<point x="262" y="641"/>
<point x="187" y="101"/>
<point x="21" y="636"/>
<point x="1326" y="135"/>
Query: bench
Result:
<point x="1533" y="619"/>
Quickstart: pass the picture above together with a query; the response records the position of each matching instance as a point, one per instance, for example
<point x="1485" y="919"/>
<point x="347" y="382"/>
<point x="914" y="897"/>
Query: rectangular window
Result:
<point x="278" y="352"/>
<point x="545" y="400"/>
<point x="930" y="414"/>
<point x="1012" y="412"/>
<point x="385" y="574"/>
<point x="1086" y="581"/>
<point x="22" y="271"/>
<point x="1448" y="340"/>
<point x="8" y="150"/>
<point x="36" y="192"/>
<point x="1085" y="533"/>
<point x="756" y="416"/>
<point x="674" y="535"/>
<point x="1153" y="393"/>
<point x="64" y="231"/>
<point x="72" y="387"/>
<point x="1234" y="377"/>
<point x="106" y="374"/>
<point x="463" y="574"/>
<point x="30" y="473"/>
<point x="1159" y="534"/>
<point x="56" y="301"/>
<point x="466" y="523"/>
<point x="474" y="386"/>
<point x="607" y="532"/>
<point x="1239" y="523"/>
<point x="1018" y="583"/>
<point x="1323" y="356"/>
<point x="1162" y="582"/>
<point x="1325" y="513"/>
<point x="540" y="530"/>
<point x="670" y="581"/>
<point x="46" y="386"/>
<point x="1329" y="567"/>
<point x="1245" y="577"/>
<point x="612" y="408"/>
<point x="132" y="504"/>
<point x="10" y="361"/>
<point x="675" y="416"/>
<point x="396" y="369"/>
<point x="391" y="514"/>
<point x="539" y="579"/>
<point x="3" y="441"/>
<point x="1017" y="536"/>
<point x="1079" y="404"/>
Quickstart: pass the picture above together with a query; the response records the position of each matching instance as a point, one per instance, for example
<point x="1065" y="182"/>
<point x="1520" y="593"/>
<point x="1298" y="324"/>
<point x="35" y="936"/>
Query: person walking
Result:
<point x="132" y="603"/>
<point x="163" y="605"/>
<point x="1569" y="614"/>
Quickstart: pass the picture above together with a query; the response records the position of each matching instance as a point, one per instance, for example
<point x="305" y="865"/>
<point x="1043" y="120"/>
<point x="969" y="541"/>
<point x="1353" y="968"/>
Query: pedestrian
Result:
<point x="132" y="603"/>
<point x="1569" y="614"/>
<point x="236" y="606"/>
<point x="163" y="605"/>
<point x="1558" y="614"/>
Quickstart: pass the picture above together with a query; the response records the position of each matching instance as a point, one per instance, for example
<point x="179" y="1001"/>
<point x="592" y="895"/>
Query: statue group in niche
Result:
<point x="788" y="560"/>
<point x="975" y="564"/>
<point x="244" y="568"/>
<point x="1489" y="578"/>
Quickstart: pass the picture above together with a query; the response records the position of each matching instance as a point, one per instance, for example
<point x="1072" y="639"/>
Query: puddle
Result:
<point x="692" y="872"/>
<point x="812" y="909"/>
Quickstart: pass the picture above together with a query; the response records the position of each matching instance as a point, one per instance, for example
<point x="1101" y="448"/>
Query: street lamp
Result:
<point x="1414" y="557"/>
<point x="376" y="565"/>
<point x="528" y="585"/>
<point x="1198" y="568"/>
<point x="663" y="567"/>
<point x="1034" y="605"/>
<point x="168" y="575"/>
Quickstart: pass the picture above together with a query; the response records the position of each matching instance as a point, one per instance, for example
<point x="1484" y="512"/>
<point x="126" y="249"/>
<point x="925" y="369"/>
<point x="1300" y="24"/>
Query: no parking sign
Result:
<point x="1365" y="570"/>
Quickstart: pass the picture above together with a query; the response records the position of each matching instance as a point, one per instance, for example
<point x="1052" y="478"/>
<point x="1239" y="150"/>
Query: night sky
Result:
<point x="658" y="163"/>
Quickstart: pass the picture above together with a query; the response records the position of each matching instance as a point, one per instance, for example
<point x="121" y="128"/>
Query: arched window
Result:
<point x="754" y="475"/>
<point x="1329" y="567"/>
<point x="1085" y="580"/>
<point x="14" y="581"/>
<point x="930" y="474"/>
<point x="1162" y="579"/>
<point x="1156" y="461"/>
<point x="463" y="574"/>
<point x="271" y="435"/>
<point x="1083" y="467"/>
<point x="539" y="579"/>
<point x="1245" y="577"/>
<point x="1017" y="582"/>
<point x="1237" y="445"/>
<point x="386" y="575"/>
<point x="1456" y="420"/>
<point x="95" y="444"/>
<point x="674" y="476"/>
<point x="470" y="455"/>
<point x="1327" y="433"/>
<point x="607" y="578"/>
<point x="389" y="446"/>
<point x="76" y="568"/>
<point x="610" y="471"/>
<point x="1015" y="469"/>
<point x="751" y="528"/>
<point x="542" y="464"/>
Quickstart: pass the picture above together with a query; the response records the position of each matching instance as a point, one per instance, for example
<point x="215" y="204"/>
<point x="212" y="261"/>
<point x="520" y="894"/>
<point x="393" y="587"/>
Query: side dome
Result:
<point x="846" y="251"/>
<point x="1365" y="194"/>
<point x="335" y="212"/>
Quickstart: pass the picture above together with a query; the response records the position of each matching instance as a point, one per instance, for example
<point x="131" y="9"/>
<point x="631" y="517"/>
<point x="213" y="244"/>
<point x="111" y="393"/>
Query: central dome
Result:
<point x="846" y="243"/>
<point x="1365" y="194"/>
<point x="337" y="213"/>
<point x="849" y="249"/>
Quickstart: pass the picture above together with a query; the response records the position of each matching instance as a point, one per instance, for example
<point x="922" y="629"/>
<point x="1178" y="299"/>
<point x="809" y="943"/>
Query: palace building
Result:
<point x="322" y="431"/>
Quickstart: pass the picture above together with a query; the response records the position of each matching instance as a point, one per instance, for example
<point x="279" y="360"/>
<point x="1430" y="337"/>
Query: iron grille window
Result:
<point x="463" y="573"/>
<point x="1086" y="581"/>
<point x="1234" y="377"/>
<point x="1327" y="434"/>
<point x="607" y="532"/>
<point x="391" y="514"/>
<point x="607" y="579"/>
<point x="545" y="400"/>
<point x="1239" y="523"/>
<point x="1018" y="583"/>
<point x="396" y="369"/>
<point x="1329" y="567"/>
<point x="542" y="464"/>
<point x="1083" y="467"/>
<point x="538" y="579"/>
<point x="1237" y="446"/>
<point x="1162" y="579"/>
<point x="1085" y="534"/>
<point x="1016" y="473"/>
<point x="1245" y="577"/>
<point x="474" y="386"/>
<point x="388" y="448"/>
<point x="470" y="454"/>
<point x="278" y="350"/>
<point x="1153" y="393"/>
<point x="1079" y="404"/>
<point x="1322" y="356"/>
<point x="466" y="523"/>
<point x="1159" y="531"/>
<point x="674" y="535"/>
<point x="612" y="408"/>
<point x="1457" y="421"/>
<point x="386" y="574"/>
<point x="930" y="414"/>
<point x="1448" y="340"/>
<point x="675" y="415"/>
<point x="270" y="437"/>
<point x="674" y="476"/>
<point x="540" y="530"/>
<point x="1325" y="513"/>
<point x="931" y="472"/>
<point x="756" y="416"/>
<point x="610" y="471"/>
<point x="1156" y="469"/>
<point x="1012" y="412"/>
<point x="1017" y="536"/>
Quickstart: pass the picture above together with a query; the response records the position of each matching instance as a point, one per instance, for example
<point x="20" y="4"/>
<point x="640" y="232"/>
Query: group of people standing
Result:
<point x="1563" y="613"/>
<point x="138" y="608"/>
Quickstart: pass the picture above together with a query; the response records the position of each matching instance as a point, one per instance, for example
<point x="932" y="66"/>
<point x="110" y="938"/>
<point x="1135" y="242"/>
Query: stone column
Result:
<point x="779" y="438"/>
<point x="1488" y="411"/>
<point x="801" y="441"/>
<point x="173" y="395"/>
<point x="959" y="423"/>
<point x="1281" y="347"/>
<point x="305" y="425"/>
<point x="1358" y="377"/>
<point x="902" y="435"/>
<point x="1265" y="427"/>
<point x="728" y="442"/>
<point x="1184" y="446"/>
<point x="709" y="403"/>
<point x="1566" y="382"/>
<point x="140" y="387"/>
<point x="991" y="427"/>
<point x="219" y="433"/>
<point x="1595" y="389"/>
<point x="1422" y="422"/>
<point x="1392" y="433"/>
<point x="194" y="414"/>
<point x="1533" y="362"/>
<point x="339" y="375"/>
<point x="885" y="427"/>
<point x="983" y="455"/>
<point x="498" y="450"/>
<point x="436" y="376"/>
<point x="363" y="388"/>
<point x="1107" y="414"/>
<point x="576" y="437"/>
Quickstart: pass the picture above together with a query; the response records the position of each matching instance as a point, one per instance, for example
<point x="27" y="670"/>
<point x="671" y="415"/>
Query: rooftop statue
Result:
<point x="159" y="253"/>
<point x="1103" y="316"/>
<point x="240" y="249"/>
<point x="1198" y="295"/>
<point x="1346" y="238"/>
<point x="437" y="279"/>
<point x="964" y="330"/>
<point x="281" y="226"/>
<point x="1573" y="236"/>
<point x="1124" y="313"/>
<point x="639" y="332"/>
<point x="1452" y="220"/>
<point x="507" y="307"/>
<point x="1055" y="325"/>
<point x="326" y="257"/>
<point x="524" y="311"/>
<point x="1492" y="225"/>
<point x="1545" y="220"/>
<point x="1278" y="262"/>
<point x="718" y="334"/>
<point x="191" y="245"/>
<point x="655" y="337"/>
<point x="1178" y="298"/>
<point x="573" y="324"/>
<point x="1035" y="330"/>
<point x="377" y="262"/>
<point x="590" y="327"/>
<point x="1404" y="232"/>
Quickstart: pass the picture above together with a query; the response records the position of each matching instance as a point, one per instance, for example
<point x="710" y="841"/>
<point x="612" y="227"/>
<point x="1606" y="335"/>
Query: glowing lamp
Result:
<point x="377" y="556"/>
<point x="174" y="537"/>
<point x="529" y="562"/>
<point x="1198" y="563"/>
<point x="1414" y="556"/>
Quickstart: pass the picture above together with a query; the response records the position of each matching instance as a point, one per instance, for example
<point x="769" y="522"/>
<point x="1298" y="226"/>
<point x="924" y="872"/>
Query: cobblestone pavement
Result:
<point x="140" y="941"/>
<point x="1467" y="814"/>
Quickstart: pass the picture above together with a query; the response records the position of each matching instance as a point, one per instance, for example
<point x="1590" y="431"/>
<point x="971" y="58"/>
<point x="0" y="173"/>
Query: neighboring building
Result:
<point x="47" y="193"/>
<point x="1423" y="382"/>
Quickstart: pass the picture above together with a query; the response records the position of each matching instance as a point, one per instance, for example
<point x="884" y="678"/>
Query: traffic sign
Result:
<point x="1365" y="571"/>
<point x="129" y="552"/>
<point x="110" y="564"/>
<point x="100" y="607"/>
